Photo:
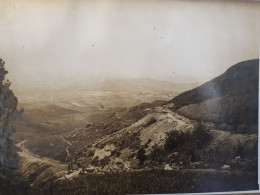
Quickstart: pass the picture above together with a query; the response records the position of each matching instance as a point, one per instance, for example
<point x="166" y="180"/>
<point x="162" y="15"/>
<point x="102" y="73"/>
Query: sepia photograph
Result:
<point x="129" y="97"/>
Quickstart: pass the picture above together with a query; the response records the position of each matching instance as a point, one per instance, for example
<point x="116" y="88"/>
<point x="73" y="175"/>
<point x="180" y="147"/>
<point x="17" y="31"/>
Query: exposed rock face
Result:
<point x="105" y="152"/>
<point x="8" y="114"/>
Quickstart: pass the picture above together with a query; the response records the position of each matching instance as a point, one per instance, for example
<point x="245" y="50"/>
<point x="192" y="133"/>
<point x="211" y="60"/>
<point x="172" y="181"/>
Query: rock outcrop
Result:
<point x="8" y="114"/>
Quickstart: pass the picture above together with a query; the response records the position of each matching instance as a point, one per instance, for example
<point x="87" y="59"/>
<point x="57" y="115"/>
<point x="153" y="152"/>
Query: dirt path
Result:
<point x="69" y="144"/>
<point x="28" y="158"/>
<point x="180" y="121"/>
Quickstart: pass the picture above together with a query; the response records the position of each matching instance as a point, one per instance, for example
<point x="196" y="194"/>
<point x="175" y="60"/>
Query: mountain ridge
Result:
<point x="235" y="92"/>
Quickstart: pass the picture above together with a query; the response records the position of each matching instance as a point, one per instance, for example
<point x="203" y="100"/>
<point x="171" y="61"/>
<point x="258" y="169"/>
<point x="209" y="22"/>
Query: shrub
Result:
<point x="150" y="122"/>
<point x="141" y="155"/>
<point x="199" y="138"/>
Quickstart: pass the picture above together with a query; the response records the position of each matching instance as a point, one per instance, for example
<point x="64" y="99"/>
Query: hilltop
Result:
<point x="230" y="98"/>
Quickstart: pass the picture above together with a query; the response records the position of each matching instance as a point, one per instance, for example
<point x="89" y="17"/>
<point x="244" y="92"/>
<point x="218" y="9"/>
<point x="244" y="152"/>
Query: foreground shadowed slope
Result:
<point x="230" y="98"/>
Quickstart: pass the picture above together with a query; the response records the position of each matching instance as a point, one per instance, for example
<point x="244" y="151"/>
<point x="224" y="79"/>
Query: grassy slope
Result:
<point x="154" y="181"/>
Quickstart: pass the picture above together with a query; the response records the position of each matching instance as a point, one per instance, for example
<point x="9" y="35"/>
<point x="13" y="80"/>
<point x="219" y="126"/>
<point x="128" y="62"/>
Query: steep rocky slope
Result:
<point x="119" y="150"/>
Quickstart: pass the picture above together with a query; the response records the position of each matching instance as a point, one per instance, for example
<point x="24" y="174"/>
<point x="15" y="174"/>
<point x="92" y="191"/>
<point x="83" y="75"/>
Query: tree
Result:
<point x="8" y="114"/>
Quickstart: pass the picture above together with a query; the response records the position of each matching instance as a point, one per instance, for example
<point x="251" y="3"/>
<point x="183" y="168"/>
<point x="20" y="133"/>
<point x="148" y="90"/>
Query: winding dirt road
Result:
<point x="38" y="167"/>
<point x="30" y="157"/>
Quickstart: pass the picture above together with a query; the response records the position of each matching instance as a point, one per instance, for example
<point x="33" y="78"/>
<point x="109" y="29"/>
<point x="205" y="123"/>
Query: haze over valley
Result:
<point x="128" y="97"/>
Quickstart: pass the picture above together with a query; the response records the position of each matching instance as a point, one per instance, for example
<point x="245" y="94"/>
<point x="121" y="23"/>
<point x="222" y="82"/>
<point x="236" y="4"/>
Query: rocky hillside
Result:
<point x="230" y="98"/>
<point x="207" y="127"/>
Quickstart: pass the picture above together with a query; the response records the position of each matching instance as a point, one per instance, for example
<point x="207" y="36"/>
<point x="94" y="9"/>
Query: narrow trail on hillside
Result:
<point x="69" y="144"/>
<point x="181" y="122"/>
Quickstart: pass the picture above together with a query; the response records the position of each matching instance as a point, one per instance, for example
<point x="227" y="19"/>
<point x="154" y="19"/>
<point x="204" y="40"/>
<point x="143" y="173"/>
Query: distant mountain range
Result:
<point x="142" y="84"/>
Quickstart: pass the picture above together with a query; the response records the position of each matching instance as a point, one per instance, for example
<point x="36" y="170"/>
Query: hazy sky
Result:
<point x="63" y="39"/>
